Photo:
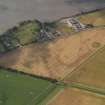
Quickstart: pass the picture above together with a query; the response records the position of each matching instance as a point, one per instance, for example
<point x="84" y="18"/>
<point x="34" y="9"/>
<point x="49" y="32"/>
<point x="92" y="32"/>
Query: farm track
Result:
<point x="88" y="88"/>
<point x="49" y="90"/>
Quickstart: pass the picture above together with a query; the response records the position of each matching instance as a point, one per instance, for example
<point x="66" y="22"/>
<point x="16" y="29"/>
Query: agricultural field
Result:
<point x="58" y="62"/>
<point x="22" y="89"/>
<point x="27" y="31"/>
<point x="73" y="96"/>
<point x="95" y="18"/>
<point x="91" y="72"/>
<point x="57" y="58"/>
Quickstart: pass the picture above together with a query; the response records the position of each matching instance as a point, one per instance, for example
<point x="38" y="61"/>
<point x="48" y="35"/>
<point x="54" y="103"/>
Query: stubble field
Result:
<point x="57" y="58"/>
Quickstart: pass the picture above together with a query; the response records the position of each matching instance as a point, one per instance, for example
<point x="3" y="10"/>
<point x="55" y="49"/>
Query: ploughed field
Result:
<point x="21" y="89"/>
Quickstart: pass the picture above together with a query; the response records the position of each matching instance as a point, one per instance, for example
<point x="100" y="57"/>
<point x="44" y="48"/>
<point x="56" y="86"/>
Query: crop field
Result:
<point x="26" y="32"/>
<point x="57" y="58"/>
<point x="96" y="18"/>
<point x="92" y="71"/>
<point x="21" y="89"/>
<point x="73" y="96"/>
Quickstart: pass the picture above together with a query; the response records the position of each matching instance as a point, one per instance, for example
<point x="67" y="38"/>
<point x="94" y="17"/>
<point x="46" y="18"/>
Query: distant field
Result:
<point x="72" y="96"/>
<point x="91" y="72"/>
<point x="14" y="11"/>
<point x="57" y="58"/>
<point x="96" y="18"/>
<point x="19" y="89"/>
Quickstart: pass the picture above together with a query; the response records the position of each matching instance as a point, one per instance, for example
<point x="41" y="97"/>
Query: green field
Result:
<point x="96" y="18"/>
<point x="25" y="33"/>
<point x="91" y="72"/>
<point x="21" y="89"/>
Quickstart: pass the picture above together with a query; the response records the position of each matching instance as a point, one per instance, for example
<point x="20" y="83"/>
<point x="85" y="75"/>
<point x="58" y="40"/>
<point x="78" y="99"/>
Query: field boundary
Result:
<point x="88" y="88"/>
<point x="27" y="74"/>
<point x="54" y="97"/>
<point x="51" y="96"/>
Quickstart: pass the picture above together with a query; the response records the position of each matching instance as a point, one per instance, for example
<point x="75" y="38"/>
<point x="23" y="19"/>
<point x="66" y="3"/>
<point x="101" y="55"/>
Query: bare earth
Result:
<point x="57" y="58"/>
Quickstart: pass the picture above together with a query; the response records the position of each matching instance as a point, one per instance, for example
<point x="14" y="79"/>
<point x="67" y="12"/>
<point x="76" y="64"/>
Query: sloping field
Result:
<point x="57" y="58"/>
<point x="91" y="72"/>
<point x="72" y="96"/>
<point x="20" y="89"/>
<point x="96" y="18"/>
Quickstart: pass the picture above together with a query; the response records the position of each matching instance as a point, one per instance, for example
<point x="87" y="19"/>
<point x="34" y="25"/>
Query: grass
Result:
<point x="26" y="32"/>
<point x="85" y="87"/>
<point x="51" y="96"/>
<point x="96" y="18"/>
<point x="63" y="27"/>
<point x="2" y="48"/>
<point x="92" y="71"/>
<point x="19" y="89"/>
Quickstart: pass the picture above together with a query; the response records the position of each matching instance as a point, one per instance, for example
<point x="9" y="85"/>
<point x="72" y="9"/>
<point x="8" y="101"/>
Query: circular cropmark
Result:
<point x="96" y="44"/>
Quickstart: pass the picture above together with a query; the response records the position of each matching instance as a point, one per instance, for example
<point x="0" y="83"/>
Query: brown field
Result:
<point x="96" y="18"/>
<point x="92" y="71"/>
<point x="72" y="96"/>
<point x="57" y="58"/>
